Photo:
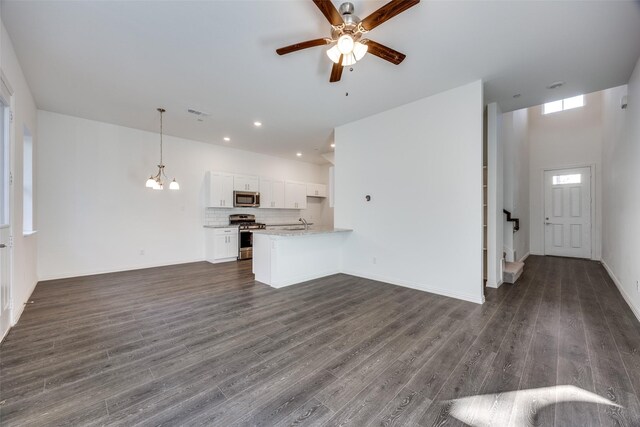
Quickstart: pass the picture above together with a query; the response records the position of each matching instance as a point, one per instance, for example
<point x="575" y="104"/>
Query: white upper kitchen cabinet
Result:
<point x="295" y="195"/>
<point x="316" y="190"/>
<point x="220" y="192"/>
<point x="246" y="183"/>
<point x="277" y="194"/>
<point x="271" y="193"/>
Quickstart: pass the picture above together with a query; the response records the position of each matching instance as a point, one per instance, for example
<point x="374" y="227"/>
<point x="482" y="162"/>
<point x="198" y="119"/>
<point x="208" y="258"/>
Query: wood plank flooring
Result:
<point x="202" y="344"/>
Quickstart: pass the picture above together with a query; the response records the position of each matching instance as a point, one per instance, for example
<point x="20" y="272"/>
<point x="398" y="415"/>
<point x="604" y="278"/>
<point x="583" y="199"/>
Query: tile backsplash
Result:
<point x="217" y="216"/>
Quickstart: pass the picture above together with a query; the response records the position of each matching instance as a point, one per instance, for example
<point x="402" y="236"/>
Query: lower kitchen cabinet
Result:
<point x="221" y="244"/>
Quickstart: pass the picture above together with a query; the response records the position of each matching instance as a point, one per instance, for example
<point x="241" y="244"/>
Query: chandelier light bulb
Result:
<point x="345" y="44"/>
<point x="359" y="50"/>
<point x="348" y="60"/>
<point x="334" y="54"/>
<point x="174" y="185"/>
<point x="150" y="182"/>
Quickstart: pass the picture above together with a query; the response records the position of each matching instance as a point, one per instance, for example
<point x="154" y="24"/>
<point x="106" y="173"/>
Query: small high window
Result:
<point x="567" y="179"/>
<point x="563" y="104"/>
<point x="27" y="183"/>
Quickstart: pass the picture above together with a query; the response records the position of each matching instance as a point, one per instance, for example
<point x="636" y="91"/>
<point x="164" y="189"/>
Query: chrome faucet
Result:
<point x="304" y="221"/>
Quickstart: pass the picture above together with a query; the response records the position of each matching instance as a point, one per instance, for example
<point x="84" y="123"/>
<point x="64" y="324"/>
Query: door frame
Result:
<point x="10" y="163"/>
<point x="592" y="190"/>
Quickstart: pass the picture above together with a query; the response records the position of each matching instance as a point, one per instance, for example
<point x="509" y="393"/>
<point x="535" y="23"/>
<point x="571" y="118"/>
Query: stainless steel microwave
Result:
<point x="246" y="199"/>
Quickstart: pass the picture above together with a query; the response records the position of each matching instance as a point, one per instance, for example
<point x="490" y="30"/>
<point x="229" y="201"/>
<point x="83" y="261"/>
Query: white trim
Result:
<point x="417" y="286"/>
<point x="626" y="297"/>
<point x="29" y="233"/>
<point x="4" y="81"/>
<point x="592" y="190"/>
<point x="302" y="279"/>
<point x="15" y="318"/>
<point x="525" y="256"/>
<point x="490" y="285"/>
<point x="70" y="275"/>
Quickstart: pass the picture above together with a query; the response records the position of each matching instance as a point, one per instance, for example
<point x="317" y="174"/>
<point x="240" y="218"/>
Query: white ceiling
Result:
<point x="116" y="61"/>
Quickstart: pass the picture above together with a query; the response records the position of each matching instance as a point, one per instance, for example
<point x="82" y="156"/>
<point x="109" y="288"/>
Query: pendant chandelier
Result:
<point x="155" y="181"/>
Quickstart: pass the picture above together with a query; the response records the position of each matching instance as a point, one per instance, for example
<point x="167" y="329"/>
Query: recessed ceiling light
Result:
<point x="299" y="154"/>
<point x="555" y="85"/>
<point x="257" y="124"/>
<point x="333" y="145"/>
<point x="226" y="138"/>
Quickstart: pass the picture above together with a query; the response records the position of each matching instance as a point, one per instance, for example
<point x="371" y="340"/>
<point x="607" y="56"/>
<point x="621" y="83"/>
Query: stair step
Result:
<point x="512" y="271"/>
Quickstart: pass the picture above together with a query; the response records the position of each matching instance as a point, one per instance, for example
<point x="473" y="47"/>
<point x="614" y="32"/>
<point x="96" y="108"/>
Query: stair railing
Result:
<point x="516" y="221"/>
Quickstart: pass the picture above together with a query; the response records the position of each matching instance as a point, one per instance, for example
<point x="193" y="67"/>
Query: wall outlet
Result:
<point x="374" y="260"/>
<point x="141" y="251"/>
<point x="638" y="286"/>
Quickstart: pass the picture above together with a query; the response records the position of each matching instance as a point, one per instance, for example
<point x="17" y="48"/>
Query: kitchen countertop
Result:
<point x="299" y="224"/>
<point x="294" y="233"/>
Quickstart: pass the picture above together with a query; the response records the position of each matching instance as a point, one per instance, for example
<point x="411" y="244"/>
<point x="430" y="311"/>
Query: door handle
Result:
<point x="2" y="246"/>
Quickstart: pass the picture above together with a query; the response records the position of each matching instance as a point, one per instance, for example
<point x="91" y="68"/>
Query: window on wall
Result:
<point x="563" y="104"/>
<point x="4" y="157"/>
<point x="27" y="183"/>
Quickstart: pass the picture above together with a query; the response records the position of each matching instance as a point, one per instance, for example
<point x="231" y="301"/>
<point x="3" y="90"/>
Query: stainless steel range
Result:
<point x="246" y="224"/>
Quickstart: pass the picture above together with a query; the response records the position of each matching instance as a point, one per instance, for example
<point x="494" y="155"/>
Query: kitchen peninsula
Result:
<point x="286" y="257"/>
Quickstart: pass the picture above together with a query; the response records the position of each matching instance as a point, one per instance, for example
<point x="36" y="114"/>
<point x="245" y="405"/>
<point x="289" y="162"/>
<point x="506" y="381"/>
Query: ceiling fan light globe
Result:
<point x="348" y="60"/>
<point x="334" y="54"/>
<point x="345" y="44"/>
<point x="359" y="50"/>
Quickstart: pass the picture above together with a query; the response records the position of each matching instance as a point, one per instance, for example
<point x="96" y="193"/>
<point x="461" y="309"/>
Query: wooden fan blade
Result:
<point x="336" y="71"/>
<point x="330" y="12"/>
<point x="302" y="45"/>
<point x="384" y="52"/>
<point x="386" y="12"/>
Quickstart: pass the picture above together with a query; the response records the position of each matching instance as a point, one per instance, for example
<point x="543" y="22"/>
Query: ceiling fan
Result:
<point x="347" y="31"/>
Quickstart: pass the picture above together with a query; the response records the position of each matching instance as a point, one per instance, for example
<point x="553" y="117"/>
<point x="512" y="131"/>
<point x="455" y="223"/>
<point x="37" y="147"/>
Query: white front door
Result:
<point x="5" y="229"/>
<point x="567" y="212"/>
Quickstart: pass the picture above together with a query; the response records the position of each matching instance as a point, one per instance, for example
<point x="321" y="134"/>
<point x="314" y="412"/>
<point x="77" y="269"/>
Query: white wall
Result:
<point x="421" y="163"/>
<point x="516" y="182"/>
<point x="24" y="257"/>
<point x="565" y="139"/>
<point x="95" y="215"/>
<point x="495" y="194"/>
<point x="621" y="188"/>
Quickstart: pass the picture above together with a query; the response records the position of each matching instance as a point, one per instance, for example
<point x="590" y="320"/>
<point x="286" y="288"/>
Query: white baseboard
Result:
<point x="536" y="253"/>
<point x="626" y="297"/>
<point x="495" y="286"/>
<point x="302" y="279"/>
<point x="69" y="275"/>
<point x="525" y="256"/>
<point x="417" y="286"/>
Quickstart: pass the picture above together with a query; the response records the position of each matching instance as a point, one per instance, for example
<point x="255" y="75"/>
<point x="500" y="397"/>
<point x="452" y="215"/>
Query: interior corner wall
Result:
<point x="24" y="250"/>
<point x="421" y="164"/>
<point x="564" y="140"/>
<point x="621" y="189"/>
<point x="95" y="214"/>
<point x="495" y="195"/>
<point x="515" y="141"/>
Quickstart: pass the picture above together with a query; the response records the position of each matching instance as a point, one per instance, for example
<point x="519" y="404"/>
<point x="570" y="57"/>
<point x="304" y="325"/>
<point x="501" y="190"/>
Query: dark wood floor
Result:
<point x="199" y="344"/>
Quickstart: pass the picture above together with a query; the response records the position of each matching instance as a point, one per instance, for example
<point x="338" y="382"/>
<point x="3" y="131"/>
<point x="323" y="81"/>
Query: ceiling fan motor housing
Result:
<point x="346" y="10"/>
